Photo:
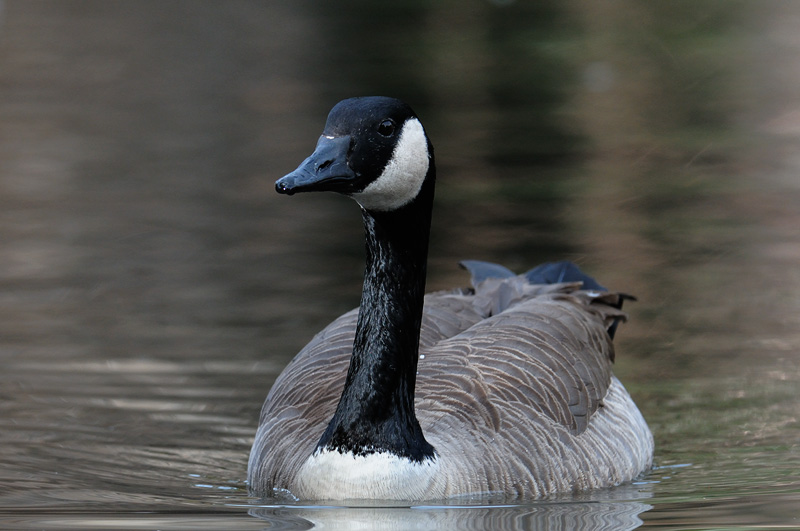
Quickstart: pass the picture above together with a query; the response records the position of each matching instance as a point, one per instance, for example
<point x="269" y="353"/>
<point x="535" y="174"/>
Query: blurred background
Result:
<point x="153" y="285"/>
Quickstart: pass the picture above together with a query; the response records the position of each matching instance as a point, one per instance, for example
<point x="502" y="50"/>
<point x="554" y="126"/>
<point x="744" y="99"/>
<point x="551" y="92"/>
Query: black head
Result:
<point x="373" y="149"/>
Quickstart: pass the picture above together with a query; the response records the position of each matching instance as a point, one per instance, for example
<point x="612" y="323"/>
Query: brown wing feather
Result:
<point x="549" y="356"/>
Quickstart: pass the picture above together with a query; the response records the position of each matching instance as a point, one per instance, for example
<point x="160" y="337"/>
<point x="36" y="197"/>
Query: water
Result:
<point x="152" y="285"/>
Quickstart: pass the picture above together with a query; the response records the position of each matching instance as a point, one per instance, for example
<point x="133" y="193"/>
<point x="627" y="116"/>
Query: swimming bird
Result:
<point x="505" y="387"/>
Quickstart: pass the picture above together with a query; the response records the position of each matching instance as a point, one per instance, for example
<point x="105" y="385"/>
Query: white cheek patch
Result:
<point x="402" y="178"/>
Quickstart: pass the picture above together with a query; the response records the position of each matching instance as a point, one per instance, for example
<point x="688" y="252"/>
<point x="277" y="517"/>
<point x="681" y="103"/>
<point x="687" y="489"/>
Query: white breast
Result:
<point x="331" y="475"/>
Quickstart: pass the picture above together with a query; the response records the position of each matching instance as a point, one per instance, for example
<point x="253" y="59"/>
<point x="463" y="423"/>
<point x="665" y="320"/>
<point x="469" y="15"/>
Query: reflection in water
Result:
<point x="617" y="509"/>
<point x="571" y="516"/>
<point x="152" y="286"/>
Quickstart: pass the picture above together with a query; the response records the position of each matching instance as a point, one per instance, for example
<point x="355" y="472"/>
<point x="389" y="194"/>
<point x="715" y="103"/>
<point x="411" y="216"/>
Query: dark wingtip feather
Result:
<point x="480" y="271"/>
<point x="622" y="298"/>
<point x="558" y="272"/>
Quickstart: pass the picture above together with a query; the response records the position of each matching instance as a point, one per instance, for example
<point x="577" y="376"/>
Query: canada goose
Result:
<point x="502" y="388"/>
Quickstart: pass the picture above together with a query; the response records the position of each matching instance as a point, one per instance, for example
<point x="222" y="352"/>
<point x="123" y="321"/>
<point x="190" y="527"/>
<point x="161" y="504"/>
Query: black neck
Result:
<point x="376" y="410"/>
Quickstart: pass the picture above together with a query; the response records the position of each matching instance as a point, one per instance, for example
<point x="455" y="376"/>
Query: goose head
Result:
<point x="373" y="149"/>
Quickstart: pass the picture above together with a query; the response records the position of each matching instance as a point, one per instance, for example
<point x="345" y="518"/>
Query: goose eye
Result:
<point x="386" y="128"/>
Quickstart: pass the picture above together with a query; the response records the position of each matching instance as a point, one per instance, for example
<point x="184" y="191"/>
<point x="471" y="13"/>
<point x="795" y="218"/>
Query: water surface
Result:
<point x="152" y="285"/>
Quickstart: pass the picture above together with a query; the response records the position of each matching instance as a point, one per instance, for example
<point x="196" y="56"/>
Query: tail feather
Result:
<point x="547" y="273"/>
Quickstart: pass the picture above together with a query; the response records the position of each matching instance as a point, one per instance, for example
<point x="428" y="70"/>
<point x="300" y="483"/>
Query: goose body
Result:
<point x="502" y="388"/>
